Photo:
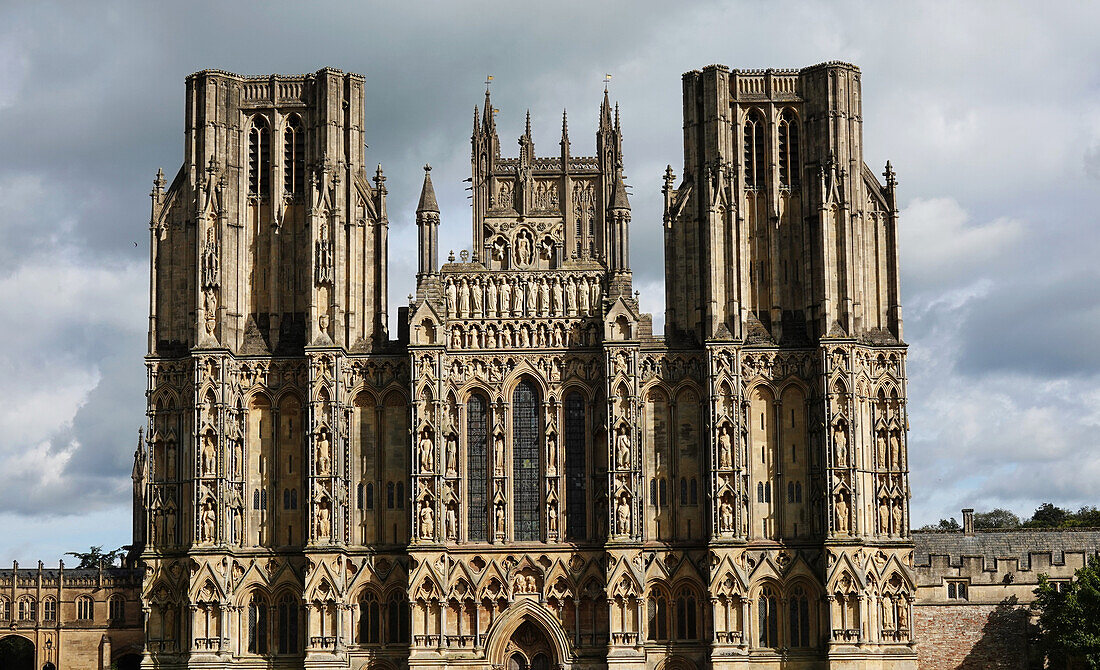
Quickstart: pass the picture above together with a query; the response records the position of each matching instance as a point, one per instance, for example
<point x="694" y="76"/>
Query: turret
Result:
<point x="618" y="223"/>
<point x="427" y="225"/>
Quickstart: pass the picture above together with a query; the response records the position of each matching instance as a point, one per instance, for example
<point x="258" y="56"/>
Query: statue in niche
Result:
<point x="558" y="336"/>
<point x="498" y="454"/>
<point x="170" y="524"/>
<point x="497" y="250"/>
<point x="235" y="525"/>
<point x="895" y="451"/>
<point x="456" y="337"/>
<point x="544" y="297"/>
<point x="427" y="521"/>
<point x="551" y="454"/>
<point x="622" y="449"/>
<point x="505" y="297"/>
<point x="491" y="298"/>
<point x="209" y="521"/>
<point x="532" y="298"/>
<point x="903" y="614"/>
<point x="725" y="448"/>
<point x="883" y="517"/>
<point x="452" y="455"/>
<point x="594" y="293"/>
<point x="475" y="297"/>
<point x="519" y="584"/>
<point x="500" y="521"/>
<point x="210" y="308"/>
<point x="601" y="517"/>
<point x="209" y="454"/>
<point x="451" y="523"/>
<point x="452" y="297"/>
<point x="725" y="516"/>
<point x="622" y="515"/>
<point x="463" y="299"/>
<point x="557" y="296"/>
<point x="324" y="458"/>
<point x="518" y="298"/>
<point x="427" y="449"/>
<point x="524" y="252"/>
<point x="880" y="447"/>
<point x="324" y="520"/>
<point x="170" y="460"/>
<point x="582" y="296"/>
<point x="540" y="335"/>
<point x="570" y="297"/>
<point x="898" y="513"/>
<point x="841" y="515"/>
<point x="840" y="440"/>
<point x="524" y="336"/>
<point x="552" y="519"/>
<point x="491" y="338"/>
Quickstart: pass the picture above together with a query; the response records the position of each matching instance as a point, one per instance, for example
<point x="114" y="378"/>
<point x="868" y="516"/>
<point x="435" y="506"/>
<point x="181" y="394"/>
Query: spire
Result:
<point x="475" y="120"/>
<point x="616" y="117"/>
<point x="605" y="112"/>
<point x="427" y="194"/>
<point x="618" y="192"/>
<point x="488" y="123"/>
<point x="527" y="129"/>
<point x="564" y="127"/>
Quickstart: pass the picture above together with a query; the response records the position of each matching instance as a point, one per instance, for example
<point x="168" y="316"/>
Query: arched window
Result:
<point x="759" y="491"/>
<point x="286" y="498"/>
<point x="694" y="491"/>
<point x="389" y="495"/>
<point x="754" y="151"/>
<point x="28" y="609"/>
<point x="116" y="608"/>
<point x="767" y="615"/>
<point x="477" y="468"/>
<point x="259" y="159"/>
<point x="788" y="150"/>
<point x="49" y="609"/>
<point x="257" y="625"/>
<point x="288" y="625"/>
<point x="799" y="618"/>
<point x="790" y="492"/>
<point x="798" y="491"/>
<point x="526" y="491"/>
<point x="5" y="609"/>
<point x="657" y="607"/>
<point x="84" y="607"/>
<point x="576" y="499"/>
<point x="293" y="498"/>
<point x="662" y="492"/>
<point x="400" y="495"/>
<point x="294" y="157"/>
<point x="686" y="615"/>
<point x="369" y="621"/>
<point x="653" y="491"/>
<point x="683" y="490"/>
<point x="256" y="499"/>
<point x="370" y="495"/>
<point x="397" y="619"/>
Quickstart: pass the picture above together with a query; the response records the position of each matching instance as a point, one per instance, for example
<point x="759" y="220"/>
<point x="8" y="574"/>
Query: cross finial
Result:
<point x="427" y="167"/>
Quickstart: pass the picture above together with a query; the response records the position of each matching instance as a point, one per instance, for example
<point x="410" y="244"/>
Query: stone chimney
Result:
<point x="968" y="521"/>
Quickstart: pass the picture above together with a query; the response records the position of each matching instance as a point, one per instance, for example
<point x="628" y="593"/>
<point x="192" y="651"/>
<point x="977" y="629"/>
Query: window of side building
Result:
<point x="957" y="590"/>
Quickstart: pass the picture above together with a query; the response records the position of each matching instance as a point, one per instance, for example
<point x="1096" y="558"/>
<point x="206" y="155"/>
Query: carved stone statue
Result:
<point x="209" y="521"/>
<point x="209" y="454"/>
<point x="544" y="297"/>
<point x="622" y="450"/>
<point x="841" y="515"/>
<point x="725" y="517"/>
<point x="551" y="453"/>
<point x="725" y="449"/>
<point x="880" y="447"/>
<point x="557" y="296"/>
<point x="452" y="297"/>
<point x="622" y="515"/>
<point x="883" y="517"/>
<point x="524" y="252"/>
<point x="570" y="297"/>
<point x="427" y="521"/>
<point x="505" y="297"/>
<point x="491" y="298"/>
<point x="475" y="297"/>
<point x="498" y="454"/>
<point x="452" y="455"/>
<point x="463" y="299"/>
<point x="324" y="520"/>
<point x="324" y="459"/>
<point x="898" y="514"/>
<point x="451" y="523"/>
<point x="552" y="519"/>
<point x="500" y="520"/>
<point x="427" y="449"/>
<point x="840" y="441"/>
<point x="582" y="297"/>
<point x="895" y="451"/>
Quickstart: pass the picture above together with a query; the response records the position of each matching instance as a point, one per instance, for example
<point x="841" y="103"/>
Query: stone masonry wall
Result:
<point x="971" y="637"/>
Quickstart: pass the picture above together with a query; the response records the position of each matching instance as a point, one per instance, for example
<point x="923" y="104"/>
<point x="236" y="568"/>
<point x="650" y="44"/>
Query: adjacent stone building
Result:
<point x="524" y="475"/>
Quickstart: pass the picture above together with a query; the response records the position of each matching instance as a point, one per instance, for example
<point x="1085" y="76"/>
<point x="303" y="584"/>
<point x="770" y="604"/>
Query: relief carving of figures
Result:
<point x="557" y="295"/>
<point x="570" y="297"/>
<point x="880" y="447"/>
<point x="500" y="520"/>
<point x="898" y="514"/>
<point x="456" y="337"/>
<point x="427" y="452"/>
<point x="544" y="297"/>
<point x="883" y="517"/>
<point x="208" y="521"/>
<point x="895" y="451"/>
<point x="452" y="455"/>
<point x="324" y="453"/>
<point x="505" y="297"/>
<point x="209" y="454"/>
<point x="498" y="454"/>
<point x="532" y="298"/>
<point x="622" y="450"/>
<point x="498" y="249"/>
<point x="427" y="521"/>
<point x="210" y="308"/>
<point x="594" y="294"/>
<point x="518" y="298"/>
<point x="725" y="448"/>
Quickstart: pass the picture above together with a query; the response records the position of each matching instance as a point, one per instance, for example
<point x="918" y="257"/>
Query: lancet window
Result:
<point x="477" y="468"/>
<point x="754" y="162"/>
<point x="294" y="163"/>
<point x="525" y="462"/>
<point x="575" y="471"/>
<point x="259" y="159"/>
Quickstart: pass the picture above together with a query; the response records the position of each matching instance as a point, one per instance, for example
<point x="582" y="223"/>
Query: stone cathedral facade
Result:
<point x="521" y="474"/>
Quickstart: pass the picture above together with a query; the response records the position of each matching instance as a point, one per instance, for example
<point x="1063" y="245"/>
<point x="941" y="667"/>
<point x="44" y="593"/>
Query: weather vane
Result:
<point x="606" y="81"/>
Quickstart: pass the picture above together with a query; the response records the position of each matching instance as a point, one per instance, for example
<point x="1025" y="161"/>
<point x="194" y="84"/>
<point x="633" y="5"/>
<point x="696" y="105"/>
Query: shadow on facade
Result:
<point x="1004" y="641"/>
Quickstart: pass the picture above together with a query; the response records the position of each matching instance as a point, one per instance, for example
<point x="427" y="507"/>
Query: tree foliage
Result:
<point x="996" y="518"/>
<point x="944" y="525"/>
<point x="1069" y="619"/>
<point x="92" y="558"/>
<point x="1049" y="515"/>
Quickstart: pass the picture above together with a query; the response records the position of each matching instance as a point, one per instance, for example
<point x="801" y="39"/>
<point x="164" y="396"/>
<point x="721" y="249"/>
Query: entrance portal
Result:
<point x="16" y="653"/>
<point x="529" y="648"/>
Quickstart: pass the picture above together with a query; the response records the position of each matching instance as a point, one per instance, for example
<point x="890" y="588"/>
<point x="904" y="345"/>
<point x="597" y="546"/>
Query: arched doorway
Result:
<point x="529" y="648"/>
<point x="16" y="653"/>
<point x="127" y="662"/>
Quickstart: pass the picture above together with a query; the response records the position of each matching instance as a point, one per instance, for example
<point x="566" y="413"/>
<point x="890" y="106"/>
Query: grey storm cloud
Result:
<point x="990" y="112"/>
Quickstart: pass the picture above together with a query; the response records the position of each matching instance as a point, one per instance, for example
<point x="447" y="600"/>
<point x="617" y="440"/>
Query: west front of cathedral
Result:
<point x="521" y="474"/>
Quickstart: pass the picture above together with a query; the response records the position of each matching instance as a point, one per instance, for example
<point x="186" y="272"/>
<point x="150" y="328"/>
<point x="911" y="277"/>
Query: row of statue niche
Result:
<point x="208" y="456"/>
<point x="523" y="336"/>
<point x="426" y="447"/>
<point x="887" y="456"/>
<point x="891" y="510"/>
<point x="493" y="297"/>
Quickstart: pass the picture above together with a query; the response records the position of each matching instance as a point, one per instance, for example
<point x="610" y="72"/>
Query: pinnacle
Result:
<point x="427" y="194"/>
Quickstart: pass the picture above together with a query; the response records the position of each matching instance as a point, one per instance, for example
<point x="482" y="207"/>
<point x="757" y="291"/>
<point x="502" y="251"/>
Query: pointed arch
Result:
<point x="259" y="157"/>
<point x="294" y="157"/>
<point x="526" y="451"/>
<point x="526" y="610"/>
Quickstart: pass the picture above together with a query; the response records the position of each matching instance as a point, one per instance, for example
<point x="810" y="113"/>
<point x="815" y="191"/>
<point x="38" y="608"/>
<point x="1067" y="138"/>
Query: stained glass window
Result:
<point x="575" y="471"/>
<point x="477" y="438"/>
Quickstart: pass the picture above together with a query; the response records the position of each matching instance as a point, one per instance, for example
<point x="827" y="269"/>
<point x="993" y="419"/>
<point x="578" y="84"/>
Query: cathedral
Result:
<point x="522" y="474"/>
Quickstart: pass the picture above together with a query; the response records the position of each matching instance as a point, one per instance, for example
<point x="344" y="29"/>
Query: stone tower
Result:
<point x="781" y="265"/>
<point x="267" y="343"/>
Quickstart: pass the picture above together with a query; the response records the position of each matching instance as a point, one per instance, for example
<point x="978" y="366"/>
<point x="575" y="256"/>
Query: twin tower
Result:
<point x="524" y="475"/>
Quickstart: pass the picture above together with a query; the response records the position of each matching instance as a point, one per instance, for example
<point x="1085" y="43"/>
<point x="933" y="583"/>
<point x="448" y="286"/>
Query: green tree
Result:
<point x="1069" y="619"/>
<point x="1048" y="515"/>
<point x="95" y="555"/>
<point x="996" y="518"/>
<point x="944" y="525"/>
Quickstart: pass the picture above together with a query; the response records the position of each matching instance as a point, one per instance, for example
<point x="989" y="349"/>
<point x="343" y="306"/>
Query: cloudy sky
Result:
<point x="990" y="113"/>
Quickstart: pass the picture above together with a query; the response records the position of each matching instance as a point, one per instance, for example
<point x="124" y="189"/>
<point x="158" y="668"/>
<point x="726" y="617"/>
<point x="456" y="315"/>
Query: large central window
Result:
<point x="525" y="462"/>
<point x="477" y="438"/>
<point x="575" y="509"/>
